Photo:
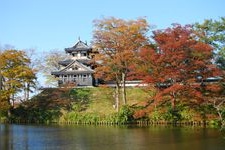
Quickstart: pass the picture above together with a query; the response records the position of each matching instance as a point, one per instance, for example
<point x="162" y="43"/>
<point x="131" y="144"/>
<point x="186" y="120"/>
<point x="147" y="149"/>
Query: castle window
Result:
<point x="75" y="68"/>
<point x="83" y="54"/>
<point x="74" y="54"/>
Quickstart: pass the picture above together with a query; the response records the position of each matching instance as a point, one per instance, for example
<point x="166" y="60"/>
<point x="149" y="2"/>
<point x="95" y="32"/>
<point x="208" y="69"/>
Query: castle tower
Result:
<point x="77" y="69"/>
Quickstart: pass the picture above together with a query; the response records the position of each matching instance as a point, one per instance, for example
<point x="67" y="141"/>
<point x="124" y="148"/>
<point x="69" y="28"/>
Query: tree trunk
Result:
<point x="1" y="81"/>
<point x="9" y="113"/>
<point x="218" y="108"/>
<point x="173" y="101"/>
<point x="220" y="115"/>
<point x="13" y="100"/>
<point x="124" y="96"/>
<point x="26" y="92"/>
<point x="175" y="114"/>
<point x="10" y="107"/>
<point x="117" y="95"/>
<point x="219" y="112"/>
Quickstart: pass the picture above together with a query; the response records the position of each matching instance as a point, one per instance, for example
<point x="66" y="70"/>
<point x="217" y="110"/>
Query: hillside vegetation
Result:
<point x="68" y="104"/>
<point x="97" y="106"/>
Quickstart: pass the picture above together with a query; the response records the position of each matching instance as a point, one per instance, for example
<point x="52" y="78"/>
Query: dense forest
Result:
<point x="182" y="68"/>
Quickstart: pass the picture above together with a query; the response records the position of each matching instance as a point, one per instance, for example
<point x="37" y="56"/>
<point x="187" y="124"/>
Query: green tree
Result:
<point x="15" y="73"/>
<point x="213" y="32"/>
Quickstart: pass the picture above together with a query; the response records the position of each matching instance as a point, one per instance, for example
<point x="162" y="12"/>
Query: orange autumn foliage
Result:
<point x="176" y="64"/>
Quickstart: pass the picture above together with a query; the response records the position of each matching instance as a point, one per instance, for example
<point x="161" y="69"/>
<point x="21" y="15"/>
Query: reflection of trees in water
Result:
<point x="5" y="137"/>
<point x="222" y="130"/>
<point x="13" y="137"/>
<point x="6" y="141"/>
<point x="108" y="137"/>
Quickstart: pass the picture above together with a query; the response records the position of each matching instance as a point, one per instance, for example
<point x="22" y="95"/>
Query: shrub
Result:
<point x="186" y="114"/>
<point x="80" y="94"/>
<point x="80" y="98"/>
<point x="125" y="114"/>
<point x="172" y="115"/>
<point x="156" y="115"/>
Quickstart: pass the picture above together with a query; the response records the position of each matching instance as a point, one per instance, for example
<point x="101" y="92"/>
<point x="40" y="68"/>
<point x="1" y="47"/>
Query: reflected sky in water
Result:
<point x="74" y="137"/>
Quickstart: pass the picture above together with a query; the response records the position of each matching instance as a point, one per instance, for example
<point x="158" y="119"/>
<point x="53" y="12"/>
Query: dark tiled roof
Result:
<point x="70" y="72"/>
<point x="65" y="62"/>
<point x="65" y="70"/>
<point x="68" y="61"/>
<point x="79" y="46"/>
<point x="84" y="61"/>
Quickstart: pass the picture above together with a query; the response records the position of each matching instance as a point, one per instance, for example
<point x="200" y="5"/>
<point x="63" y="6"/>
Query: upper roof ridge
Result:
<point x="80" y="45"/>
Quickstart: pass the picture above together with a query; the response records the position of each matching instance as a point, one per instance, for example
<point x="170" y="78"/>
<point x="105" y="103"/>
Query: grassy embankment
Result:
<point x="79" y="105"/>
<point x="95" y="106"/>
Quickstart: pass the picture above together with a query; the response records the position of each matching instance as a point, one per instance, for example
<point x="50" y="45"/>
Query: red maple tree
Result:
<point x="176" y="65"/>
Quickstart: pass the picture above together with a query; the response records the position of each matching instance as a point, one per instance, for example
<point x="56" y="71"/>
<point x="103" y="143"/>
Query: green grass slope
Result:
<point x="57" y="103"/>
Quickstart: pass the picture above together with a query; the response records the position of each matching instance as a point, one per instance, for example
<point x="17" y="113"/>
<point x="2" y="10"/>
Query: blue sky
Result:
<point x="56" y="24"/>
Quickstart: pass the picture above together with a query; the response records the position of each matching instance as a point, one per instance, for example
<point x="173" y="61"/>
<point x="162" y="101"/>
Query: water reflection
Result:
<point x="26" y="137"/>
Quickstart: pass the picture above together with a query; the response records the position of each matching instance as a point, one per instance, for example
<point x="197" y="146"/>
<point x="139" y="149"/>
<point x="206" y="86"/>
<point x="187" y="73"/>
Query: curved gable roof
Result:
<point x="79" y="46"/>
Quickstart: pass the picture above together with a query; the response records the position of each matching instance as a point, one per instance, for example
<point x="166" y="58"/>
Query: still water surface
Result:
<point x="56" y="137"/>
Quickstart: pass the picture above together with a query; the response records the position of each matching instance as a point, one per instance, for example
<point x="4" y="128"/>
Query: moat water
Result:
<point x="75" y="137"/>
